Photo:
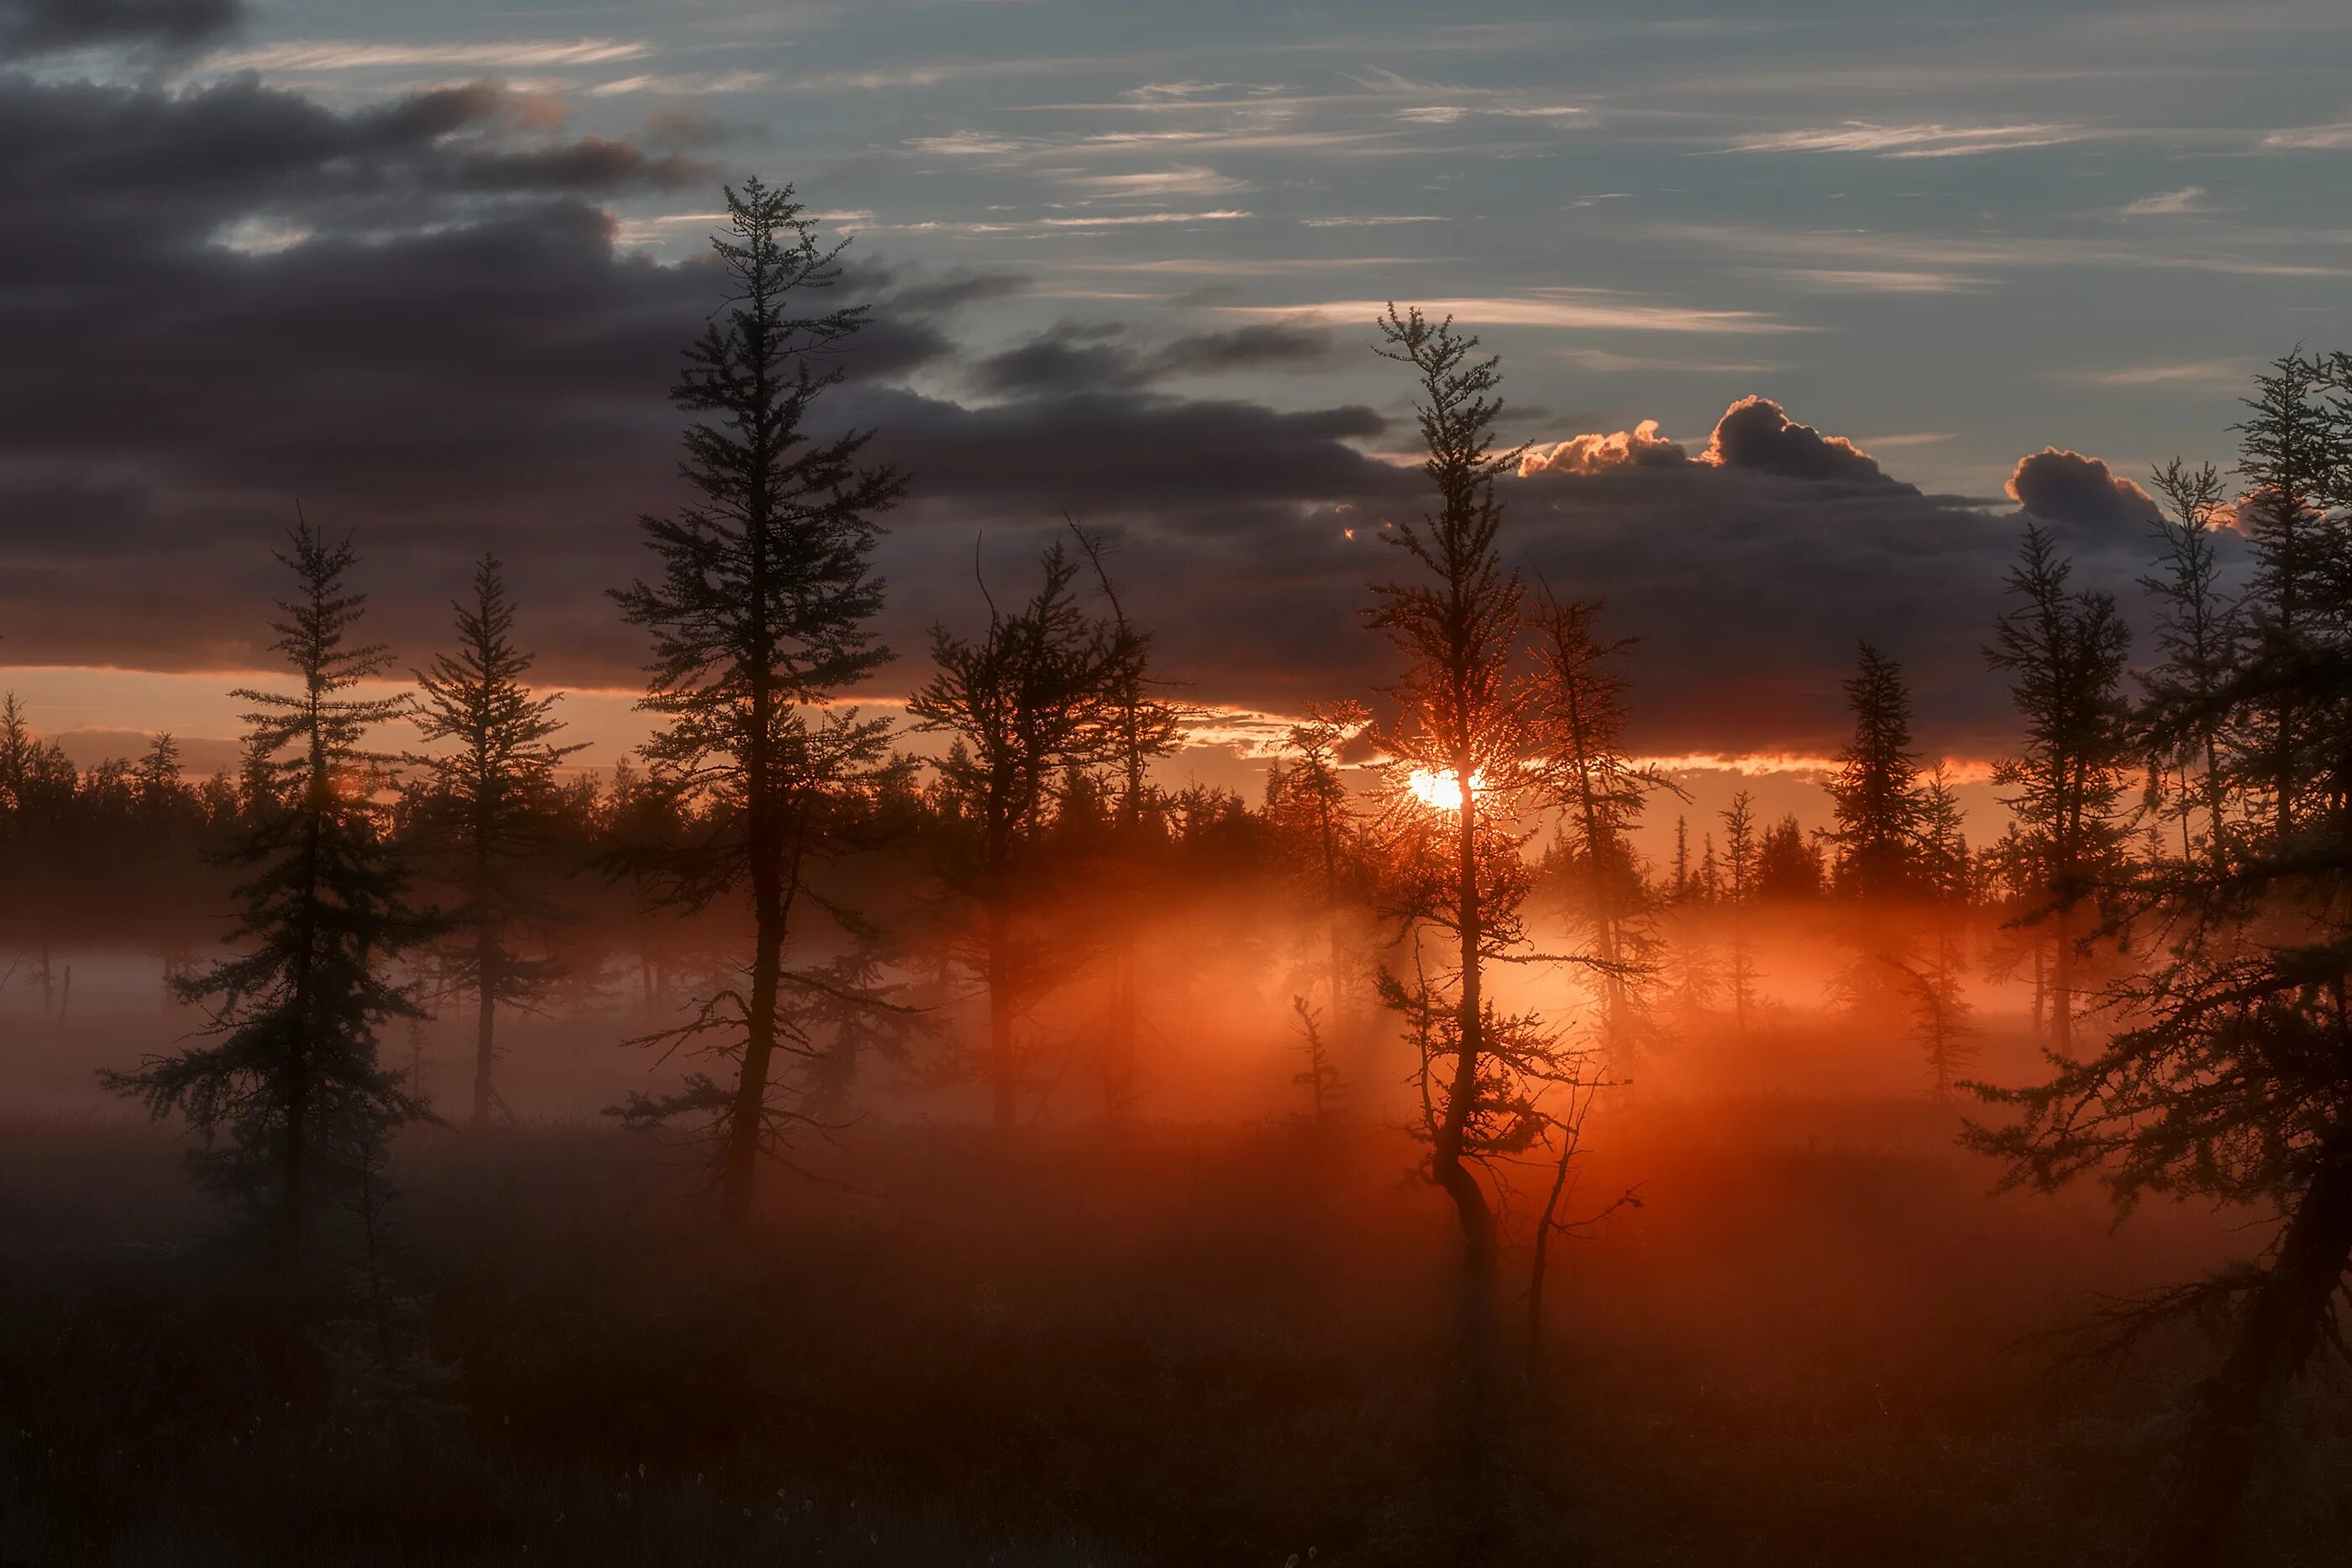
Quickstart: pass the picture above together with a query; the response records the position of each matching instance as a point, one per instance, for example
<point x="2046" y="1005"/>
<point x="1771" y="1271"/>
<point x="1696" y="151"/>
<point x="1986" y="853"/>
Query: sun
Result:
<point x="1441" y="790"/>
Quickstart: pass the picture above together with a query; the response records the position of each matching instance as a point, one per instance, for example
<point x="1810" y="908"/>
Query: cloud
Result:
<point x="41" y="26"/>
<point x="428" y="332"/>
<point x="1591" y="453"/>
<point x="1754" y="432"/>
<point x="2062" y="487"/>
<point x="2311" y="137"/>
<point x="1912" y="141"/>
<point x="1095" y="356"/>
<point x="1880" y="280"/>
<point x="2196" y="372"/>
<point x="347" y="55"/>
<point x="1185" y="180"/>
<point x="1565" y="307"/>
<point x="2187" y="199"/>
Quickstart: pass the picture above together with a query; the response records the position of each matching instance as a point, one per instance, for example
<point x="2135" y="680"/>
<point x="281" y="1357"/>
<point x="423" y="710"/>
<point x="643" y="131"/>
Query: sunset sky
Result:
<point x="427" y="267"/>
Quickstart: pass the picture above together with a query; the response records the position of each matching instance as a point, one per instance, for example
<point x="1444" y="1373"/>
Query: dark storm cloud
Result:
<point x="40" y="26"/>
<point x="1087" y="356"/>
<point x="425" y="332"/>
<point x="2062" y="487"/>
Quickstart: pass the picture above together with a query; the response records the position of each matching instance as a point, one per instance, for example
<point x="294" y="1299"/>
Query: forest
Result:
<point x="923" y="1130"/>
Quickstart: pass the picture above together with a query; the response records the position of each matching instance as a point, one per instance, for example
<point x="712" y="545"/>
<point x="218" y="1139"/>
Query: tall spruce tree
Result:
<point x="1309" y="800"/>
<point x="287" y="1094"/>
<point x="1142" y="726"/>
<point x="1578" y="709"/>
<point x="2065" y="651"/>
<point x="760" y="620"/>
<point x="1875" y="790"/>
<point x="1031" y="702"/>
<point x="485" y="806"/>
<point x="1739" y="875"/>
<point x="1493" y="1085"/>
<point x="2197" y="633"/>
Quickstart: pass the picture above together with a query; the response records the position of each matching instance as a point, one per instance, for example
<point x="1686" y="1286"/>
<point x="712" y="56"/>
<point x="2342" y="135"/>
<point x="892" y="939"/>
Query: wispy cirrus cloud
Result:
<point x="1603" y="362"/>
<point x="337" y="54"/>
<point x="686" y="86"/>
<point x="2165" y="204"/>
<point x="2199" y="372"/>
<point x="1879" y="280"/>
<point x="1158" y="184"/>
<point x="2309" y="137"/>
<point x="1051" y="225"/>
<point x="1914" y="141"/>
<point x="1592" y="309"/>
<point x="2254" y="254"/>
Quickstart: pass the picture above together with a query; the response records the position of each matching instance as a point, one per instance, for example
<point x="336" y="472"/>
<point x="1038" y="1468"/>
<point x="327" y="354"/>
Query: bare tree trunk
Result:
<point x="2041" y="988"/>
<point x="1544" y="1224"/>
<point x="1480" y="1368"/>
<point x="2289" y="1312"/>
<point x="486" y="990"/>
<point x="748" y="1117"/>
<point x="2061" y="986"/>
<point x="1004" y="1073"/>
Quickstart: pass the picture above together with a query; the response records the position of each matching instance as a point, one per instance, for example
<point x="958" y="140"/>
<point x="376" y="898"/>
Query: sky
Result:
<point x="1801" y="310"/>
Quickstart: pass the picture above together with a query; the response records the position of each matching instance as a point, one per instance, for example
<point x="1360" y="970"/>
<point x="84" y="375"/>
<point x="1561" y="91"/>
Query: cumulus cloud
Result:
<point x="2061" y="486"/>
<point x="1755" y="433"/>
<point x="1591" y="453"/>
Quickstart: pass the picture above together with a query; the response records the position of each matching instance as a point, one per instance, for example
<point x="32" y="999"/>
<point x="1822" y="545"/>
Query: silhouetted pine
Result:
<point x="1493" y="1085"/>
<point x="1578" y="709"/>
<point x="1875" y="790"/>
<point x="1143" y="727"/>
<point x="485" y="809"/>
<point x="1034" y="698"/>
<point x="1787" y="864"/>
<point x="1740" y="856"/>
<point x="2293" y="452"/>
<point x="2064" y="653"/>
<point x="288" y="1096"/>
<point x="1317" y="821"/>
<point x="761" y="618"/>
<point x="2231" y="1080"/>
<point x="2197" y="633"/>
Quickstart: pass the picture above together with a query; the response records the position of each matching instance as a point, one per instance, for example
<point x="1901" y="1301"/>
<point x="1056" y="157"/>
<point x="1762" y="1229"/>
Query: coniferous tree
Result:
<point x="2293" y="453"/>
<point x="1142" y="727"/>
<point x="1309" y="801"/>
<point x="2229" y="1080"/>
<point x="288" y="1096"/>
<point x="1788" y="864"/>
<point x="760" y="620"/>
<point x="1031" y="701"/>
<point x="1875" y="791"/>
<point x="1492" y="1084"/>
<point x="2065" y="653"/>
<point x="1739" y="876"/>
<point x="1577" y="706"/>
<point x="485" y="806"/>
<point x="2197" y="633"/>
